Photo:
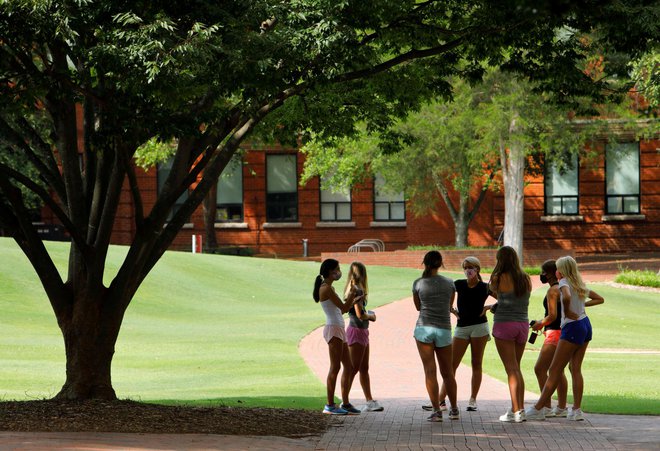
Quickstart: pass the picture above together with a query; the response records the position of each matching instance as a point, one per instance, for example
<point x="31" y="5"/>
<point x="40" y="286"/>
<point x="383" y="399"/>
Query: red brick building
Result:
<point x="607" y="205"/>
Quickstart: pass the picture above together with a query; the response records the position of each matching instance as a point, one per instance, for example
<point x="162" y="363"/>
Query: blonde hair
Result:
<point x="473" y="261"/>
<point x="357" y="275"/>
<point x="568" y="267"/>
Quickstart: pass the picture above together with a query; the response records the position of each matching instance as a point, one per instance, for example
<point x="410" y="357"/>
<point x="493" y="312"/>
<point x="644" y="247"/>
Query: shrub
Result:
<point x="646" y="278"/>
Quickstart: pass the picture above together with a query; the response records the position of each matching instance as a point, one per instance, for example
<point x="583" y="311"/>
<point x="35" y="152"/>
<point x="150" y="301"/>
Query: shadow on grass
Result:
<point x="277" y="402"/>
<point x="620" y="405"/>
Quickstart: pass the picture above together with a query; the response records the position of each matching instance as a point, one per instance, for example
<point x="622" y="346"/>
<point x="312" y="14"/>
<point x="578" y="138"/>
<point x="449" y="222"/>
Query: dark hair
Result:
<point x="432" y="260"/>
<point x="328" y="265"/>
<point x="509" y="263"/>
<point x="549" y="267"/>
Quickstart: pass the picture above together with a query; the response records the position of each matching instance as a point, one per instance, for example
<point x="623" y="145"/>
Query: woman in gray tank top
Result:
<point x="512" y="287"/>
<point x="433" y="295"/>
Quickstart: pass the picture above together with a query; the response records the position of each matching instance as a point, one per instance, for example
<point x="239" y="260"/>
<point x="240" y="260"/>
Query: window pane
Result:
<point x="398" y="211"/>
<point x="343" y="212"/>
<point x="381" y="194"/>
<point x="570" y="206"/>
<point x="282" y="207"/>
<point x="328" y="212"/>
<point x="329" y="196"/>
<point x="558" y="184"/>
<point x="631" y="205"/>
<point x="381" y="212"/>
<point x="230" y="184"/>
<point x="281" y="174"/>
<point x="553" y="205"/>
<point x="622" y="168"/>
<point x="614" y="205"/>
<point x="162" y="172"/>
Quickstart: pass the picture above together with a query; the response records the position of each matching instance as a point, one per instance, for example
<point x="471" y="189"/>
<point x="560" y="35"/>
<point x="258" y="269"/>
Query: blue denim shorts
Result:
<point x="577" y="332"/>
<point x="435" y="335"/>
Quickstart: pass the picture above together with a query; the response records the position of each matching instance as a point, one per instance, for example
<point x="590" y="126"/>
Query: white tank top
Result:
<point x="333" y="316"/>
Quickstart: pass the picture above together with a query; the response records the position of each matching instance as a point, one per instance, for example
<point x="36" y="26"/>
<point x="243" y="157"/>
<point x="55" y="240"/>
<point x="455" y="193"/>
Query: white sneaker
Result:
<point x="373" y="406"/>
<point x="535" y="415"/>
<point x="508" y="417"/>
<point x="472" y="405"/>
<point x="557" y="412"/>
<point x="575" y="415"/>
<point x="519" y="416"/>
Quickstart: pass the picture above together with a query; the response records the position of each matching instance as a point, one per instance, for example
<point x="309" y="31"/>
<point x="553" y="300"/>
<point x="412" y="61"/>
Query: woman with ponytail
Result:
<point x="433" y="296"/>
<point x="335" y="335"/>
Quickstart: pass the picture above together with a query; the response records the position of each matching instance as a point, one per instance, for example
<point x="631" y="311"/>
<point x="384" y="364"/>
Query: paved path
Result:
<point x="397" y="382"/>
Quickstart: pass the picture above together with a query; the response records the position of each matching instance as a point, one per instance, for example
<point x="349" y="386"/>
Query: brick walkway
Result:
<point x="397" y="382"/>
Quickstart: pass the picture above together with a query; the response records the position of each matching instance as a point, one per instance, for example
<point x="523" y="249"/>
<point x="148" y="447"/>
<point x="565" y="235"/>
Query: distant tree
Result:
<point x="207" y="75"/>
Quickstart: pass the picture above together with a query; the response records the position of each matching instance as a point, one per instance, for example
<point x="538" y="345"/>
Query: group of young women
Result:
<point x="566" y="327"/>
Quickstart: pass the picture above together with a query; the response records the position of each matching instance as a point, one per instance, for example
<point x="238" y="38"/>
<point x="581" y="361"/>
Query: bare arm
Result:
<point x="594" y="299"/>
<point x="418" y="303"/>
<point x="326" y="292"/>
<point x="553" y="301"/>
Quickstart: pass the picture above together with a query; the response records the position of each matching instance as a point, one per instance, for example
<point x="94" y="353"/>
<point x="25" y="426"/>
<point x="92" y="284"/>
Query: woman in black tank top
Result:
<point x="551" y="324"/>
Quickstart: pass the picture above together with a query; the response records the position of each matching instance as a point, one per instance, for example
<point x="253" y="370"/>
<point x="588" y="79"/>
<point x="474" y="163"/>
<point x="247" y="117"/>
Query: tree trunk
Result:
<point x="462" y="222"/>
<point x="514" y="184"/>
<point x="90" y="331"/>
<point x="210" y="207"/>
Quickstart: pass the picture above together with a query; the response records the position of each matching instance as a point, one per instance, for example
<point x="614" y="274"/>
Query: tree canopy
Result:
<point x="210" y="74"/>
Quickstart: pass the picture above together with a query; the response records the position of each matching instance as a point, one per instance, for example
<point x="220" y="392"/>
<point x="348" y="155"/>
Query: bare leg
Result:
<point x="365" y="380"/>
<point x="576" y="375"/>
<point x="347" y="374"/>
<point x="444" y="356"/>
<point x="477" y="348"/>
<point x="510" y="356"/>
<point x="563" y="354"/>
<point x="427" y="354"/>
<point x="458" y="346"/>
<point x="335" y="348"/>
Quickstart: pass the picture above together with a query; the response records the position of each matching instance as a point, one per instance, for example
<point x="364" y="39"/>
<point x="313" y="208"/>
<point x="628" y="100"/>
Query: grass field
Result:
<point x="211" y="329"/>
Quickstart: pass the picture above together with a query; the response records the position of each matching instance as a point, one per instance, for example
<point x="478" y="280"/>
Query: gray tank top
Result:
<point x="435" y="295"/>
<point x="511" y="307"/>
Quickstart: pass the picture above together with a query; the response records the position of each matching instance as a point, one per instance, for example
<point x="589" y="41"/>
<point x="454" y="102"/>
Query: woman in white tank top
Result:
<point x="335" y="335"/>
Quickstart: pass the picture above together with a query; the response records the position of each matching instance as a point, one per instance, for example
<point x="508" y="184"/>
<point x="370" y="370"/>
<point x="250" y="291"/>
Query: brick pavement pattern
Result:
<point x="397" y="382"/>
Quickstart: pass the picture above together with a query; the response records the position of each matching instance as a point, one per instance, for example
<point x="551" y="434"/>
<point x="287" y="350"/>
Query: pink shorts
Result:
<point x="552" y="337"/>
<point x="356" y="335"/>
<point x="331" y="331"/>
<point x="511" y="330"/>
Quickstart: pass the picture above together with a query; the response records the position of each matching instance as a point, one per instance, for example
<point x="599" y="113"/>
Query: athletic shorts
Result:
<point x="435" y="335"/>
<point x="356" y="335"/>
<point x="473" y="331"/>
<point x="577" y="332"/>
<point x="511" y="330"/>
<point x="552" y="336"/>
<point x="331" y="331"/>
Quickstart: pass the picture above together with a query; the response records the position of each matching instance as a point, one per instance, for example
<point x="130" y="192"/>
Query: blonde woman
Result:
<point x="357" y="332"/>
<point x="575" y="337"/>
<point x="472" y="326"/>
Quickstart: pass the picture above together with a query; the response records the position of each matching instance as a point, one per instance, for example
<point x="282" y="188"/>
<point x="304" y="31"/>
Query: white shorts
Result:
<point x="473" y="331"/>
<point x="331" y="331"/>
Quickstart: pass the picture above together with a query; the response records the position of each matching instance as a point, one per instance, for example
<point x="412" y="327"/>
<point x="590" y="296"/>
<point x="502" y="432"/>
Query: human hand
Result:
<point x="372" y="315"/>
<point x="538" y="325"/>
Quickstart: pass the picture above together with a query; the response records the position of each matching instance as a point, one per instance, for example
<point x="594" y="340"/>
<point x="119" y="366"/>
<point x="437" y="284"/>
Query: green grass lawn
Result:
<point x="212" y="329"/>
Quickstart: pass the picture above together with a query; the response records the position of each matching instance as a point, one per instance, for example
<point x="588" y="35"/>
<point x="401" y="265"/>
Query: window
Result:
<point x="281" y="188"/>
<point x="561" y="189"/>
<point x="229" y="198"/>
<point x="388" y="206"/>
<point x="335" y="206"/>
<point x="622" y="178"/>
<point x="163" y="171"/>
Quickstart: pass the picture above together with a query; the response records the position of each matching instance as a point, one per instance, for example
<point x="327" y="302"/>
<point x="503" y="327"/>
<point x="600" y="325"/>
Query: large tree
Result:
<point x="208" y="75"/>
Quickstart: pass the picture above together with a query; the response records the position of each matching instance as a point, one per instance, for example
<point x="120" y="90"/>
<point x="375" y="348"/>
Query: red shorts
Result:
<point x="552" y="337"/>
